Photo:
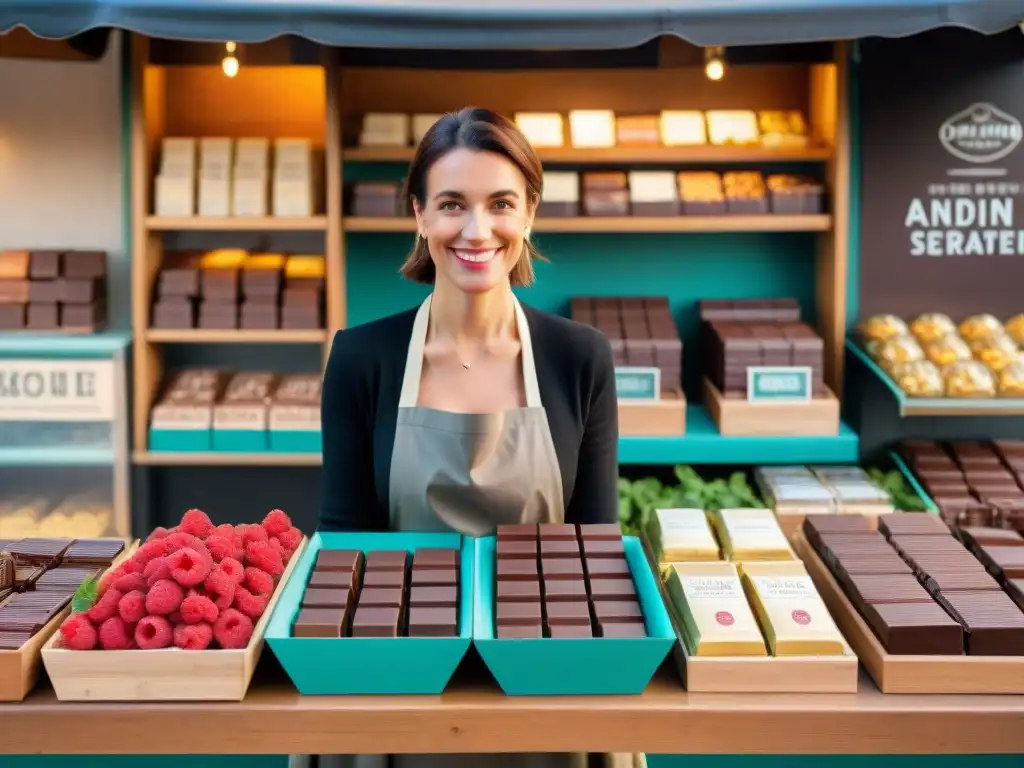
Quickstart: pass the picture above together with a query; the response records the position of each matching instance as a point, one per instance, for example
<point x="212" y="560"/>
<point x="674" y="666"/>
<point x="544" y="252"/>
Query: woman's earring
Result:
<point x="527" y="233"/>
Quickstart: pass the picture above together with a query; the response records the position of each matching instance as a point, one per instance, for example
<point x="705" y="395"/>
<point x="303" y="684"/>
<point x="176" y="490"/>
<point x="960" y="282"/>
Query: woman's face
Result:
<point x="475" y="216"/>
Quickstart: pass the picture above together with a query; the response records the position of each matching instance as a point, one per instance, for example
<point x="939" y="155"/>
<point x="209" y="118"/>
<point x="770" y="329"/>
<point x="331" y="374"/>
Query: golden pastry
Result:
<point x="918" y="379"/>
<point x="979" y="326"/>
<point x="947" y="350"/>
<point x="1011" y="379"/>
<point x="1015" y="327"/>
<point x="883" y="327"/>
<point x="968" y="379"/>
<point x="996" y="351"/>
<point x="932" y="326"/>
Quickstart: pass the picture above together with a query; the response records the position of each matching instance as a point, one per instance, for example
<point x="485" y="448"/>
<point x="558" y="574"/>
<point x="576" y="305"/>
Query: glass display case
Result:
<point x="64" y="452"/>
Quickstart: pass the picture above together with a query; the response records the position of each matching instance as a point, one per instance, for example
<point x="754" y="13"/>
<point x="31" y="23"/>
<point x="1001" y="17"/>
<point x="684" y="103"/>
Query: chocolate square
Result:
<point x="567" y="612"/>
<point x="442" y="597"/>
<point x="561" y="568"/>
<point x="612" y="589"/>
<point x="560" y="590"/>
<point x="520" y="614"/>
<point x="603" y="548"/>
<point x="617" y="611"/>
<point x="557" y="531"/>
<point x="380" y="597"/>
<point x="608" y="568"/>
<point x="516" y="570"/>
<point x="433" y="557"/>
<point x="337" y="580"/>
<point x="325" y="598"/>
<point x="434" y="577"/>
<point x="433" y="622"/>
<point x="622" y="629"/>
<point x="338" y="560"/>
<point x="518" y="532"/>
<point x="553" y="548"/>
<point x="518" y="591"/>
<point x="375" y="622"/>
<point x="520" y="631"/>
<point x="385" y="579"/>
<point x="517" y="548"/>
<point x="387" y="560"/>
<point x="570" y="631"/>
<point x="319" y="622"/>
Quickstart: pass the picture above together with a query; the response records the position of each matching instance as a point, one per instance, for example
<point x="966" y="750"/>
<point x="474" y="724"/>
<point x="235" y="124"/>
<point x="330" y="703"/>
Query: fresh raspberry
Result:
<point x="132" y="565"/>
<point x="220" y="582"/>
<point x="196" y="608"/>
<point x="261" y="555"/>
<point x="224" y="600"/>
<point x="129" y="582"/>
<point x="77" y="633"/>
<point x="108" y="578"/>
<point x="251" y="532"/>
<point x="224" y="529"/>
<point x="193" y="637"/>
<point x="106" y="606"/>
<point x="151" y="550"/>
<point x="178" y="540"/>
<point x="188" y="567"/>
<point x="251" y="605"/>
<point x="258" y="582"/>
<point x="233" y="629"/>
<point x="132" y="606"/>
<point x="157" y="569"/>
<point x="290" y="539"/>
<point x="196" y="522"/>
<point x="164" y="597"/>
<point x="158" y="533"/>
<point x="198" y="545"/>
<point x="220" y="547"/>
<point x="233" y="568"/>
<point x="278" y="547"/>
<point x="115" y="635"/>
<point x="276" y="522"/>
<point x="153" y="632"/>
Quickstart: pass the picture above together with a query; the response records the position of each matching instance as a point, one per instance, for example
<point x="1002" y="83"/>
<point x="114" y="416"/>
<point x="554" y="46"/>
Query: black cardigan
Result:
<point x="361" y="390"/>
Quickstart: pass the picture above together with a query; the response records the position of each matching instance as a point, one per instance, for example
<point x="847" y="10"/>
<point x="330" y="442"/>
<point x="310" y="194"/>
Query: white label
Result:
<point x="295" y="418"/>
<point x="57" y="390"/>
<point x="712" y="588"/>
<point x="785" y="587"/>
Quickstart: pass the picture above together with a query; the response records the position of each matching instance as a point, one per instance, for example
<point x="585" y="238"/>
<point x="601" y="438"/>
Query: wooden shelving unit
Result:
<point x="235" y="224"/>
<point x="201" y="336"/>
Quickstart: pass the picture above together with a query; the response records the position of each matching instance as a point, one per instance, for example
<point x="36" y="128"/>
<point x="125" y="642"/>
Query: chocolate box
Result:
<point x="182" y="420"/>
<point x="240" y="417"/>
<point x="376" y="199"/>
<point x="294" y="414"/>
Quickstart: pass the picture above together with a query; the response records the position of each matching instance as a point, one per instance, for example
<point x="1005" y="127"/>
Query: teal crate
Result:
<point x="366" y="665"/>
<point x="295" y="441"/>
<point x="180" y="440"/>
<point x="567" y="666"/>
<point x="240" y="440"/>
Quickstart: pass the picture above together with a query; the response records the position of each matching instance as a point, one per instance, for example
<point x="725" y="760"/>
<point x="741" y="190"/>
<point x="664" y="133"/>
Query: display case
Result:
<point x="64" y="459"/>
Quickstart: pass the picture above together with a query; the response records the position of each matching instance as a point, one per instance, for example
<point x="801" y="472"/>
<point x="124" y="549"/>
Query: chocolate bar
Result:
<point x="83" y="265"/>
<point x="42" y="317"/>
<point x="44" y="265"/>
<point x="376" y="199"/>
<point x="90" y="317"/>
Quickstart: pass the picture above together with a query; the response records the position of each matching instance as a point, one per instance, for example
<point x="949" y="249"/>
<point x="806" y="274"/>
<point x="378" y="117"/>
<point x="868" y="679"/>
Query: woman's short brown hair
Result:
<point x="485" y="131"/>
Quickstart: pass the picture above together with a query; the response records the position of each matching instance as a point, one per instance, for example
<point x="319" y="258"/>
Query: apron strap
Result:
<point x="414" y="357"/>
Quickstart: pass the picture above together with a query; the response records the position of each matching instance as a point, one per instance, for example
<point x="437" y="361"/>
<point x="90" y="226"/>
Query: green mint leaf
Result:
<point x="85" y="596"/>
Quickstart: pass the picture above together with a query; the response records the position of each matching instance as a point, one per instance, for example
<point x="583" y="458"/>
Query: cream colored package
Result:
<point x="751" y="534"/>
<point x="716" y="618"/>
<point x="682" y="535"/>
<point x="792" y="614"/>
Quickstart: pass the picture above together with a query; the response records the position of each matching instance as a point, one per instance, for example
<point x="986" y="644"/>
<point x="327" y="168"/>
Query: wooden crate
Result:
<point x="19" y="670"/>
<point x="737" y="417"/>
<point x="909" y="674"/>
<point x="661" y="418"/>
<point x="168" y="674"/>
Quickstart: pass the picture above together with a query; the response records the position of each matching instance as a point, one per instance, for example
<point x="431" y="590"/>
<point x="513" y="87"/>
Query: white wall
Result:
<point x="60" y="161"/>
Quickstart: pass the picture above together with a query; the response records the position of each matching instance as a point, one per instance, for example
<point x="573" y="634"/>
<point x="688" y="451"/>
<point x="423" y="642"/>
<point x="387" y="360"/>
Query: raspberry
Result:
<point x="132" y="565"/>
<point x="188" y="567"/>
<point x="278" y="547"/>
<point x="115" y="635"/>
<point x="233" y="629"/>
<point x="258" y="582"/>
<point x="105" y="607"/>
<point x="153" y="632"/>
<point x="251" y="532"/>
<point x="261" y="555"/>
<point x="132" y="606"/>
<point x="224" y="529"/>
<point x="200" y="548"/>
<point x="129" y="582"/>
<point x="151" y="550"/>
<point x="290" y="539"/>
<point x="158" y="533"/>
<point x="276" y="522"/>
<point x="224" y="600"/>
<point x="157" y="569"/>
<point x="164" y="597"/>
<point x="178" y="540"/>
<point x="232" y="568"/>
<point x="251" y="605"/>
<point x="197" y="523"/>
<point x="77" y="633"/>
<point x="193" y="637"/>
<point x="220" y="547"/>
<point x="220" y="582"/>
<point x="196" y="608"/>
<point x="108" y="578"/>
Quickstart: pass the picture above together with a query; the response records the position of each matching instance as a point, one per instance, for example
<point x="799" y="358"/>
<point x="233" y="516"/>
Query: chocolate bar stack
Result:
<point x="302" y="301"/>
<point x="606" y="193"/>
<point x="641" y="331"/>
<point x="220" y="279"/>
<point x="560" y="581"/>
<point x="739" y="334"/>
<point x="376" y="199"/>
<point x="53" y="290"/>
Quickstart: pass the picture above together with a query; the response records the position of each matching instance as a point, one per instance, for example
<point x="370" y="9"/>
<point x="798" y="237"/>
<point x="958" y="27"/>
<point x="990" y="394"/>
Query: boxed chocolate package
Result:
<point x="240" y="417"/>
<point x="182" y="419"/>
<point x="376" y="199"/>
<point x="294" y="414"/>
<point x="606" y="193"/>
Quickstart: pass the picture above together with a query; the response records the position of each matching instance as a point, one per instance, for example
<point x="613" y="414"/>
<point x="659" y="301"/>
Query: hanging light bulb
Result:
<point x="229" y="63"/>
<point x="714" y="62"/>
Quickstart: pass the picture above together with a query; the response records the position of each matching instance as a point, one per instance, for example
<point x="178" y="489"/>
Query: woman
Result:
<point x="471" y="410"/>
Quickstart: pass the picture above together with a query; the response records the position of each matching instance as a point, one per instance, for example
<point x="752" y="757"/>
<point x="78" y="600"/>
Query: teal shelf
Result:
<point x="63" y="345"/>
<point x="938" y="406"/>
<point x="79" y="456"/>
<point x="702" y="444"/>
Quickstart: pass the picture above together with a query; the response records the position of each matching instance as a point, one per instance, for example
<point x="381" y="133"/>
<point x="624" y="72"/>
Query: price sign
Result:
<point x="779" y="384"/>
<point x="638" y="383"/>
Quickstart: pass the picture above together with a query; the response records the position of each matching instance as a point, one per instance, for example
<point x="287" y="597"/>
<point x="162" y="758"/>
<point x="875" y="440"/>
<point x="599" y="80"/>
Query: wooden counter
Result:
<point x="475" y="717"/>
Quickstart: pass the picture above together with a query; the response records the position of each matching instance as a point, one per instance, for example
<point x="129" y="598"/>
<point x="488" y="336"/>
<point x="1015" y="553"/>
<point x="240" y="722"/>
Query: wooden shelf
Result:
<point x="630" y="224"/>
<point x="202" y="336"/>
<point x="628" y="155"/>
<point x="473" y="716"/>
<point x="235" y="224"/>
<point x="225" y="459"/>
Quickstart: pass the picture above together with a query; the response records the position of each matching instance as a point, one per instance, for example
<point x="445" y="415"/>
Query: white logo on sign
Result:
<point x="982" y="133"/>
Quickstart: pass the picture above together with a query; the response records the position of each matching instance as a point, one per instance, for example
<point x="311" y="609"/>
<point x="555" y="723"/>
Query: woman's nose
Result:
<point x="478" y="225"/>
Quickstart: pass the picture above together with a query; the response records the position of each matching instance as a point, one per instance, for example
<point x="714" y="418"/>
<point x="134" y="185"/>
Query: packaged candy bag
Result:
<point x="919" y="378"/>
<point x="948" y="349"/>
<point x="882" y="328"/>
<point x="968" y="379"/>
<point x="932" y="326"/>
<point x="978" y="326"/>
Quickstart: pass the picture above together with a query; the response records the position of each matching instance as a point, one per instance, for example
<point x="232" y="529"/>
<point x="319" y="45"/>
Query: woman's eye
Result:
<point x="504" y="205"/>
<point x="450" y="205"/>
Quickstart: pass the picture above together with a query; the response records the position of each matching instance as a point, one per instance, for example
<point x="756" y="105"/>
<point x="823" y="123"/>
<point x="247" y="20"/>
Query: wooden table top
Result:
<point x="474" y="716"/>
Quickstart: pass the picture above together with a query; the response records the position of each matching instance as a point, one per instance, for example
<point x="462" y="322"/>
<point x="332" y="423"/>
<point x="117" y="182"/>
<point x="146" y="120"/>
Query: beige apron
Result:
<point x="469" y="473"/>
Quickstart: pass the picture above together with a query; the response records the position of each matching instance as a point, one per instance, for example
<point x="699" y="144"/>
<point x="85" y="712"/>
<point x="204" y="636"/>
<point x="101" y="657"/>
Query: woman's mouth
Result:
<point x="475" y="258"/>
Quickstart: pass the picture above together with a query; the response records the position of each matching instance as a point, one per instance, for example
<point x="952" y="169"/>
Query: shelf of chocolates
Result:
<point x="603" y="136"/>
<point x="906" y="589"/>
<point x="938" y="366"/>
<point x="207" y="411"/>
<point x="53" y="290"/>
<point x="234" y="290"/>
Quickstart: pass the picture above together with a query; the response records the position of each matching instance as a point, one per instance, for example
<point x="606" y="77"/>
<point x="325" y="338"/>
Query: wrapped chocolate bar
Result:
<point x="968" y="379"/>
<point x="376" y="199"/>
<point x="996" y="351"/>
<point x="932" y="326"/>
<point x="606" y="194"/>
<point x="882" y="328"/>
<point x="901" y="349"/>
<point x="918" y="379"/>
<point x="1015" y="328"/>
<point x="949" y="349"/>
<point x="979" y="326"/>
<point x="1011" y="379"/>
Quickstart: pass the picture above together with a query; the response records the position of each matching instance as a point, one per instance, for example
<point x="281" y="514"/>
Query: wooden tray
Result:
<point x="662" y="418"/>
<point x="909" y="674"/>
<point x="19" y="670"/>
<point x="168" y="674"/>
<point x="737" y="417"/>
<point x="759" y="674"/>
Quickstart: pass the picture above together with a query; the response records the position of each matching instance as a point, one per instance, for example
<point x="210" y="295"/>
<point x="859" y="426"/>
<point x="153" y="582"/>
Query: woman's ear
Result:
<point x="417" y="211"/>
